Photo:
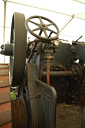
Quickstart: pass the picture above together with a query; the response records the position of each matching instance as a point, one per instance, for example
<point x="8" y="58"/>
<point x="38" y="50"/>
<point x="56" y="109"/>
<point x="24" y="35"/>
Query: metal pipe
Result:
<point x="24" y="4"/>
<point x="5" y="2"/>
<point x="48" y="72"/>
<point x="58" y="73"/>
<point x="67" y="22"/>
<point x="79" y="1"/>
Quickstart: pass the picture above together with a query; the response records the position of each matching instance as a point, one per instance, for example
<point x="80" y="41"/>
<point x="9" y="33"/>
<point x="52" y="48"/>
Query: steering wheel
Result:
<point x="44" y="31"/>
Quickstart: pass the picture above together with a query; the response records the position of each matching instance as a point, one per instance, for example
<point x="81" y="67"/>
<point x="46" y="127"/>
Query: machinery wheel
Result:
<point x="47" y="29"/>
<point x="18" y="40"/>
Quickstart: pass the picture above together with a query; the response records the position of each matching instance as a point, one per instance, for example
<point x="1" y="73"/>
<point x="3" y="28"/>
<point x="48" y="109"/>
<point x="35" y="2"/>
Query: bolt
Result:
<point x="2" y="52"/>
<point x="2" y="46"/>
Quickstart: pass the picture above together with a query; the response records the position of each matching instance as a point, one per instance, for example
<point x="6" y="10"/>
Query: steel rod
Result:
<point x="67" y="22"/>
<point x="58" y="73"/>
<point x="5" y="3"/>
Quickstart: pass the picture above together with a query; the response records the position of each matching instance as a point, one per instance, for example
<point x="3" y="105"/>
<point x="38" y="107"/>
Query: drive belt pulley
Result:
<point x="16" y="49"/>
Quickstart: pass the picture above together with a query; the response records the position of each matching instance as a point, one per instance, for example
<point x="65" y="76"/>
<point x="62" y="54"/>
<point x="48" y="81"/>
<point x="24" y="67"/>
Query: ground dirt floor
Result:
<point x="68" y="116"/>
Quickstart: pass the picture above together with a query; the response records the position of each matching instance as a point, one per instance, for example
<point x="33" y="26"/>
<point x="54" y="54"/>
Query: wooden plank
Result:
<point x="4" y="72"/>
<point x="5" y="103"/>
<point x="5" y="107"/>
<point x="3" y="69"/>
<point x="4" y="97"/>
<point x="4" y="77"/>
<point x="4" y="66"/>
<point x="5" y="117"/>
<point x="8" y="125"/>
<point x="3" y="90"/>
<point x="4" y="83"/>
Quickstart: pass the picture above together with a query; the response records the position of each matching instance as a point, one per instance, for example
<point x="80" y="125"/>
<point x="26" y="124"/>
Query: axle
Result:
<point x="58" y="73"/>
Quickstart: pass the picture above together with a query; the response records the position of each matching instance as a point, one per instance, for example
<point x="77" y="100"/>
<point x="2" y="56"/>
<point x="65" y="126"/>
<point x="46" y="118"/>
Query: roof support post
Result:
<point x="67" y="22"/>
<point x="5" y="2"/>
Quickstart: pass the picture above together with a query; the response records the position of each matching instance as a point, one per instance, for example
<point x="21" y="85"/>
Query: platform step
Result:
<point x="4" y="66"/>
<point x="4" y="72"/>
<point x="5" y="101"/>
<point x="4" y="82"/>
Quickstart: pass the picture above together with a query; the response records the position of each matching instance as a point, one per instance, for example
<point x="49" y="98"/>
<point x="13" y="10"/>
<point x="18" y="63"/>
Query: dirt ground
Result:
<point x="68" y="116"/>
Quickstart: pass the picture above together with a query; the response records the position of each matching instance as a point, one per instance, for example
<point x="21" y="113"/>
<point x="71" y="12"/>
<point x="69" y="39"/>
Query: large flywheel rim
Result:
<point x="18" y="39"/>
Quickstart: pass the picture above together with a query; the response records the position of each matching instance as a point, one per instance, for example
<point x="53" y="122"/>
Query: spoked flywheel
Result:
<point x="18" y="41"/>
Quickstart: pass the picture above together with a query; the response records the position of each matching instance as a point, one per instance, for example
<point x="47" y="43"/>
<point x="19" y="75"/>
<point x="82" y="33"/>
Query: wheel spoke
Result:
<point x="45" y="29"/>
<point x="45" y="33"/>
<point x="51" y="31"/>
<point x="40" y="32"/>
<point x="38" y="28"/>
<point x="49" y="24"/>
<point x="40" y="20"/>
<point x="50" y="34"/>
<point x="34" y="23"/>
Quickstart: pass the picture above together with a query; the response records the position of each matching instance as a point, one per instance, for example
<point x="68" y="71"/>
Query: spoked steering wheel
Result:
<point x="44" y="31"/>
